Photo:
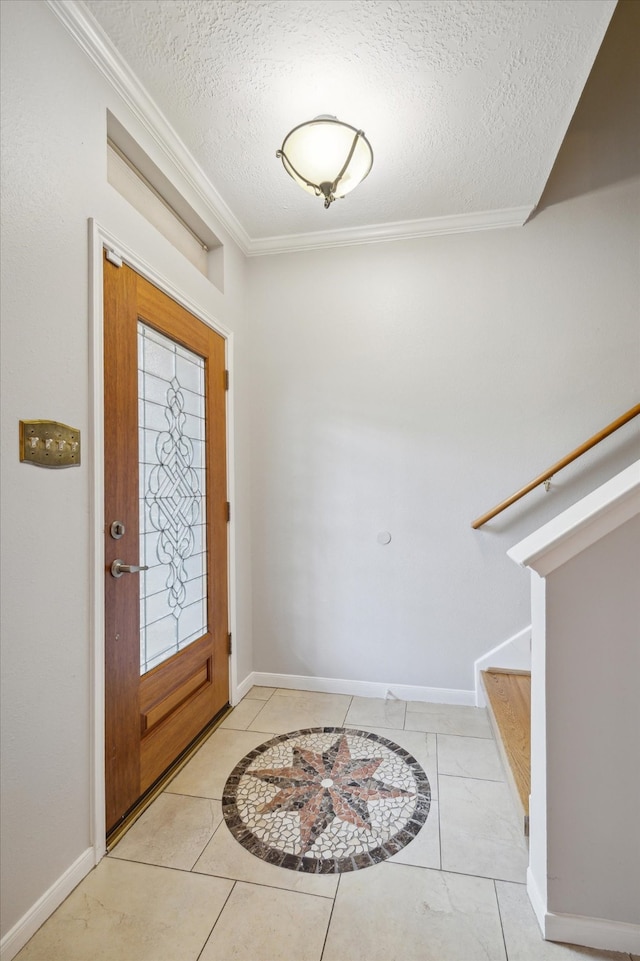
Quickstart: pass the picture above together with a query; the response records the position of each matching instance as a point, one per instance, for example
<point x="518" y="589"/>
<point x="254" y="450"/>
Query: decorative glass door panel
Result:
<point x="171" y="405"/>
<point x="166" y="624"/>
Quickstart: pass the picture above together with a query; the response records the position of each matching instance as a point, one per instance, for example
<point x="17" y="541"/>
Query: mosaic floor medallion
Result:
<point x="326" y="800"/>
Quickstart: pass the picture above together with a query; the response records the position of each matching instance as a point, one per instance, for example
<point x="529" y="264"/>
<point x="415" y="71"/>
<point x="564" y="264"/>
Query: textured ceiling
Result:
<point x="465" y="102"/>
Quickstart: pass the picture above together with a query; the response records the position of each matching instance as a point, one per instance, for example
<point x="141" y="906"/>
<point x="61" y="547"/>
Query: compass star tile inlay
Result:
<point x="326" y="800"/>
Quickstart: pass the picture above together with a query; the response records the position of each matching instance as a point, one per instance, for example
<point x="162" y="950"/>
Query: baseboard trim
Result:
<point x="577" y="929"/>
<point x="332" y="685"/>
<point x="15" y="939"/>
<point x="244" y="687"/>
<point x="538" y="903"/>
<point x="593" y="932"/>
<point x="513" y="654"/>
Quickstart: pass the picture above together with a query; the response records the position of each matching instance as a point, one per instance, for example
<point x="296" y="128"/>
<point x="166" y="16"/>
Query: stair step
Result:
<point x="509" y="705"/>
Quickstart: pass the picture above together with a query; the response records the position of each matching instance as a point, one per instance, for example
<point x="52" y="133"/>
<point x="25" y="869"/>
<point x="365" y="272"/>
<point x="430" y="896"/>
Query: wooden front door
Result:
<point x="166" y="618"/>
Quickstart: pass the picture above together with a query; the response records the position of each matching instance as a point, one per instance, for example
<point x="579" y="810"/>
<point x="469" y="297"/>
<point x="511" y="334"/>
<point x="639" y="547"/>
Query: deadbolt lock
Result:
<point x="117" y="530"/>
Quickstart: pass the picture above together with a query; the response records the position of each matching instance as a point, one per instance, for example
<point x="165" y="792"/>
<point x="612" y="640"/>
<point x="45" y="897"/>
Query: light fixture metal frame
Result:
<point x="327" y="189"/>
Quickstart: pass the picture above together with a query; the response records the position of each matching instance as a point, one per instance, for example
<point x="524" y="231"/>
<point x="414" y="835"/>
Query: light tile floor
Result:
<point x="179" y="887"/>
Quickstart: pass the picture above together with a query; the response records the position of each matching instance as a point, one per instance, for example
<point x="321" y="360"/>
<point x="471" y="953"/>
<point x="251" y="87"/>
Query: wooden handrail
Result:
<point x="541" y="478"/>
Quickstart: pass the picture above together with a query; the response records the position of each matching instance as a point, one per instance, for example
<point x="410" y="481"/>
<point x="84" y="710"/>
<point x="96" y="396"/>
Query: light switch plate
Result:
<point x="46" y="443"/>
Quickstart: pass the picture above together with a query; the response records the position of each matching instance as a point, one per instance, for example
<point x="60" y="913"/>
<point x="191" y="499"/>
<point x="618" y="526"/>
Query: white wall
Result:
<point x="54" y="107"/>
<point x="409" y="387"/>
<point x="593" y="774"/>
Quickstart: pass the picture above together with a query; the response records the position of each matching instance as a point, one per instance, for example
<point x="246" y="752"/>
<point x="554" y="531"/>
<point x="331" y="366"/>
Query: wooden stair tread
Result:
<point x="509" y="697"/>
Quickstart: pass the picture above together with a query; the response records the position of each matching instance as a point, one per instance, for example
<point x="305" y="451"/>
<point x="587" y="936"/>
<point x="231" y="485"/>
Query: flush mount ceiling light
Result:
<point x="326" y="157"/>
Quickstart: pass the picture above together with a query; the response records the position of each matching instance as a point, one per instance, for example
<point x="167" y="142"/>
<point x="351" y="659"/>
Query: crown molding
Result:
<point x="94" y="42"/>
<point x="401" y="230"/>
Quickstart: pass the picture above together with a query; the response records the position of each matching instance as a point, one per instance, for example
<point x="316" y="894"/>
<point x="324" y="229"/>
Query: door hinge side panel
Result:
<point x="228" y="509"/>
<point x="230" y="640"/>
<point x="226" y="380"/>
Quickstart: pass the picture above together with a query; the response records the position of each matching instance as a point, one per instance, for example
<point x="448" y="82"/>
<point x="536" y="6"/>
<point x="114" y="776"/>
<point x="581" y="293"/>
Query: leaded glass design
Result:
<point x="171" y="419"/>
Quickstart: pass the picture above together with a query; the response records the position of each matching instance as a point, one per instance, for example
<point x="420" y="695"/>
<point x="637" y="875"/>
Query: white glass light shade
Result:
<point x="326" y="157"/>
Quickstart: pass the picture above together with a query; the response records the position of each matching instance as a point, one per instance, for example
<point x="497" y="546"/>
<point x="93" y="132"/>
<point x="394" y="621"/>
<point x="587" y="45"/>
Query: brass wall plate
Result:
<point x="46" y="443"/>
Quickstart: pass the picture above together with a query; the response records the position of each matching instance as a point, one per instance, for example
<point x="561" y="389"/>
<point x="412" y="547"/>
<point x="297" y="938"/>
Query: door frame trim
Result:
<point x="99" y="238"/>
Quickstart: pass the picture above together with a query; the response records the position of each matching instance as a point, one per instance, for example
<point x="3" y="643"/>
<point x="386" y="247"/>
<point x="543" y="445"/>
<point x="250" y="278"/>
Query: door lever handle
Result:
<point x="118" y="568"/>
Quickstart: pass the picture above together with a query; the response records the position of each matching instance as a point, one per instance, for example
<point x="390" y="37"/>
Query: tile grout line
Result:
<point x="215" y="831"/>
<point x="462" y="874"/>
<point x="201" y="797"/>
<point x="472" y="777"/>
<point x="226" y="901"/>
<point x="326" y="934"/>
<point x="346" y="713"/>
<point x="264" y="704"/>
<point x="504" y="940"/>
<point x="221" y="877"/>
<point x="249" y="730"/>
<point x="485" y="877"/>
<point x="165" y="867"/>
<point x="268" y="887"/>
<point x="476" y="737"/>
<point x="379" y="727"/>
